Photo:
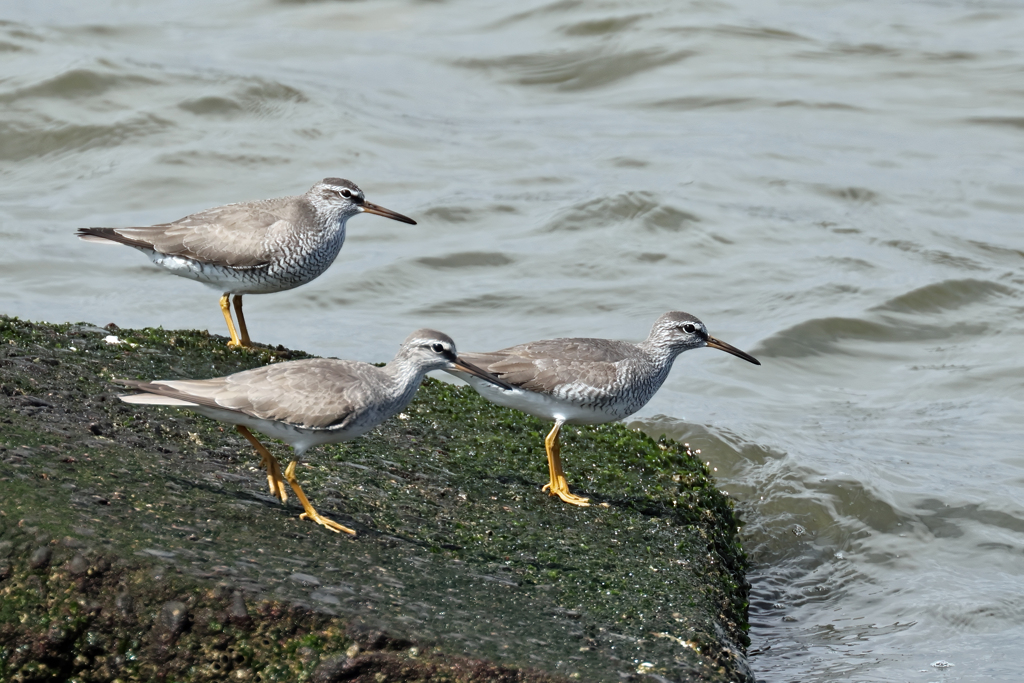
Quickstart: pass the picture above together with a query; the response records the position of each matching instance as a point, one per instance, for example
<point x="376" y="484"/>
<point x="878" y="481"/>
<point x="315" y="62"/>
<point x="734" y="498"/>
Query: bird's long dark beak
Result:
<point x="467" y="367"/>
<point x="369" y="207"/>
<point x="729" y="348"/>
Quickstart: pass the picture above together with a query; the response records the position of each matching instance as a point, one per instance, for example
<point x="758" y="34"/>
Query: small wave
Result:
<point x="252" y="96"/>
<point x="693" y="103"/>
<point x="20" y="142"/>
<point x="212" y="106"/>
<point x="937" y="256"/>
<point x="466" y="259"/>
<point x="860" y="195"/>
<point x="818" y="105"/>
<point x="452" y="214"/>
<point x="948" y="295"/>
<point x="822" y="336"/>
<point x="203" y="158"/>
<point x="570" y="70"/>
<point x="733" y="31"/>
<point x="869" y="49"/>
<point x="557" y="7"/>
<point x="626" y="206"/>
<point x="258" y="97"/>
<point x="948" y="521"/>
<point x="999" y="121"/>
<point x="628" y="162"/>
<point x="483" y="303"/>
<point x="601" y="27"/>
<point x="991" y="614"/>
<point x="16" y="36"/>
<point x="78" y="84"/>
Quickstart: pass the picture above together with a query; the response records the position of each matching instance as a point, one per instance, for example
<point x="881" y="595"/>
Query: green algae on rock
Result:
<point x="459" y="556"/>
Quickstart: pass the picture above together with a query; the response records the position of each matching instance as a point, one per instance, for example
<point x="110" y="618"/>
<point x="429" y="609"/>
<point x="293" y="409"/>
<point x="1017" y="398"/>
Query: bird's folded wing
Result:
<point x="313" y="394"/>
<point x="236" y="235"/>
<point x="547" y="370"/>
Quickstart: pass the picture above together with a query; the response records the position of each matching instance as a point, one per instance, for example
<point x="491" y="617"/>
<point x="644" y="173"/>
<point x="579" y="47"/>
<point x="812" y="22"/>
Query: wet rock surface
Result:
<point x="142" y="544"/>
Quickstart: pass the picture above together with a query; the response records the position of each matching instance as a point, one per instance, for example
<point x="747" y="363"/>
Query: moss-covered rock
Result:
<point x="141" y="543"/>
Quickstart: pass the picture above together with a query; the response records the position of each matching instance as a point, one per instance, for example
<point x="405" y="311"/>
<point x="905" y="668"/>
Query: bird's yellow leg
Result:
<point x="553" y="434"/>
<point x="242" y="331"/>
<point x="269" y="463"/>
<point x="552" y="476"/>
<point x="225" y="308"/>
<point x="559" y="486"/>
<point x="310" y="513"/>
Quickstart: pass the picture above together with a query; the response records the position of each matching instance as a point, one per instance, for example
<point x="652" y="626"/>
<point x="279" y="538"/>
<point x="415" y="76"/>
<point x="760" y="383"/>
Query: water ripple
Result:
<point x="19" y="142"/>
<point x="603" y="212"/>
<point x="466" y="259"/>
<point x="948" y="295"/>
<point x="79" y="84"/>
<point x="571" y="70"/>
<point x="830" y="335"/>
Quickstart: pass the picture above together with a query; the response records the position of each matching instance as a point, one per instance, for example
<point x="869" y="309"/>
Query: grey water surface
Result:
<point x="835" y="187"/>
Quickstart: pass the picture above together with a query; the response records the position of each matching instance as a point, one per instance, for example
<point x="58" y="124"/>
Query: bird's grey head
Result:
<point x="337" y="196"/>
<point x="343" y="199"/>
<point x="676" y="332"/>
<point x="432" y="350"/>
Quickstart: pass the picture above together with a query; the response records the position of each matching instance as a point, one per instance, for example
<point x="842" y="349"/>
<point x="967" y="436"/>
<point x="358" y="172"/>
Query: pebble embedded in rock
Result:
<point x="78" y="566"/>
<point x="125" y="603"/>
<point x="306" y="579"/>
<point x="332" y="670"/>
<point x="40" y="558"/>
<point x="173" y="617"/>
<point x="237" y="612"/>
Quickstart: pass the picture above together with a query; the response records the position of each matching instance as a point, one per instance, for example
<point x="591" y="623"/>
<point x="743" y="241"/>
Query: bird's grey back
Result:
<point x="238" y="235"/>
<point x="317" y="393"/>
<point x="595" y="371"/>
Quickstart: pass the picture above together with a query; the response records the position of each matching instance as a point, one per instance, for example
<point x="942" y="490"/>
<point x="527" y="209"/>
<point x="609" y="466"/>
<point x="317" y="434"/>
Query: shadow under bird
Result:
<point x="307" y="403"/>
<point x="252" y="247"/>
<point x="588" y="381"/>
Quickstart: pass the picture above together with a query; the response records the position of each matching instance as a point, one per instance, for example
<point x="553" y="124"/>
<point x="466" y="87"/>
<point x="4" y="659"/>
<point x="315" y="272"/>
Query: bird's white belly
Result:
<point x="299" y="438"/>
<point x="240" y="280"/>
<point x="543" y="405"/>
<point x="216" y="277"/>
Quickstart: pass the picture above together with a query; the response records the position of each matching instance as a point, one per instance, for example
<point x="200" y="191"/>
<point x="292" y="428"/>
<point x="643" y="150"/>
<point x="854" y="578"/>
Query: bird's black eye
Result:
<point x="346" y="194"/>
<point x="437" y="348"/>
<point x="688" y="328"/>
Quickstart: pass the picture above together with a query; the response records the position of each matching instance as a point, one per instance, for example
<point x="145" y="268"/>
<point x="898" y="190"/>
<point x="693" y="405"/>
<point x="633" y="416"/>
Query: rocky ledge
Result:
<point x="141" y="544"/>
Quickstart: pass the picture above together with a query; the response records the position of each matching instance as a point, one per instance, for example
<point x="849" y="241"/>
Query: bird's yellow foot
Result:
<point x="310" y="513"/>
<point x="561" y="489"/>
<point x="315" y="516"/>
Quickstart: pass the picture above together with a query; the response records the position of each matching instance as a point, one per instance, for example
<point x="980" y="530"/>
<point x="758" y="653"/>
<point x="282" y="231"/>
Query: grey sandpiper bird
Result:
<point x="311" y="402"/>
<point x="252" y="247"/>
<point x="588" y="381"/>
